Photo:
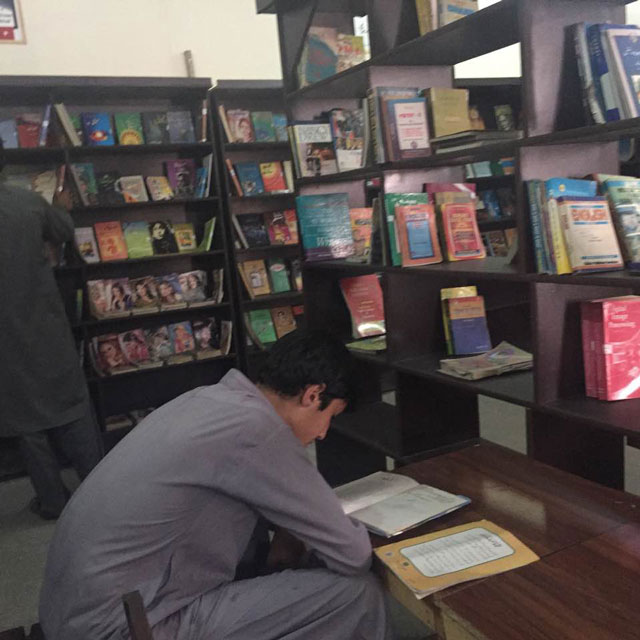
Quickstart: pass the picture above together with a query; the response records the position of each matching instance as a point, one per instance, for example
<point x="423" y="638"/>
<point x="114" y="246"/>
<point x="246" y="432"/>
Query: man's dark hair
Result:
<point x="2" y="155"/>
<point x="302" y="358"/>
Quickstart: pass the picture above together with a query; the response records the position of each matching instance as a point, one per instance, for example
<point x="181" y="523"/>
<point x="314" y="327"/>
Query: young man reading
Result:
<point x="172" y="510"/>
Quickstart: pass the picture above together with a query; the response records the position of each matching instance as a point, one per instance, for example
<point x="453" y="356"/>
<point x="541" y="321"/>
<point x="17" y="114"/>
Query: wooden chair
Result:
<point x="136" y="616"/>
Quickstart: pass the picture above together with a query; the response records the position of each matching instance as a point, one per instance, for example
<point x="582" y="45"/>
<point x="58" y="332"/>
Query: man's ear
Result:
<point x="311" y="395"/>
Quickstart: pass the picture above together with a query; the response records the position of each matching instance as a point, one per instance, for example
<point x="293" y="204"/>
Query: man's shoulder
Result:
<point x="19" y="195"/>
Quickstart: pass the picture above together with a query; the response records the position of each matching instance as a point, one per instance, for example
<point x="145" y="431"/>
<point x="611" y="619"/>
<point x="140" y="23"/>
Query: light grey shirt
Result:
<point x="171" y="509"/>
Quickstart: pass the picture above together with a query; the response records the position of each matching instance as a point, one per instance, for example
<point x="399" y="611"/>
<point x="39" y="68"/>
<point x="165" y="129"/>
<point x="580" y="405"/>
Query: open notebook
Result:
<point x="389" y="504"/>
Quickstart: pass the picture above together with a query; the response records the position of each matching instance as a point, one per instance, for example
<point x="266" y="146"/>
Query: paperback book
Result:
<point x="313" y="149"/>
<point x="136" y="235"/>
<point x="111" y="241"/>
<point x="182" y="177"/>
<point x="129" y="128"/>
<point x="505" y="358"/>
<point x="363" y="296"/>
<point x="418" y="235"/>
<point x="97" y="129"/>
<point x="283" y="321"/>
<point x="86" y="244"/>
<point x="180" y="127"/>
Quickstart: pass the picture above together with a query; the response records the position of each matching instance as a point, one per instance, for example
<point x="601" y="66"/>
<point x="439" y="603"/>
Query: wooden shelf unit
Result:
<point x="534" y="311"/>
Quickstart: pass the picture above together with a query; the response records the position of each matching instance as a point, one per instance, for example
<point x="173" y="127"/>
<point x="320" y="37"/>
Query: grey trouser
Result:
<point x="309" y="604"/>
<point x="79" y="441"/>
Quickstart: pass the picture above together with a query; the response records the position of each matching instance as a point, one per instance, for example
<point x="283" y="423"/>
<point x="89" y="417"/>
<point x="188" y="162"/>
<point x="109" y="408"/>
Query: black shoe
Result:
<point x="45" y="514"/>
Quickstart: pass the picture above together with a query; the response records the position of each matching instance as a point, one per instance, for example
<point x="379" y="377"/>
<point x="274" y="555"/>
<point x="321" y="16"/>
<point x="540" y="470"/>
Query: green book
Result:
<point x="136" y="235"/>
<point x="263" y="126"/>
<point x="262" y="325"/>
<point x="279" y="276"/>
<point x="129" y="128"/>
<point x="391" y="201"/>
<point x="207" y="236"/>
<point x="77" y="125"/>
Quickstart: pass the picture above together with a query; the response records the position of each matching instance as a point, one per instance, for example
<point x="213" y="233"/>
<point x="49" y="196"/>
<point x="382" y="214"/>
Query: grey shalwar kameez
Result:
<point x="170" y="511"/>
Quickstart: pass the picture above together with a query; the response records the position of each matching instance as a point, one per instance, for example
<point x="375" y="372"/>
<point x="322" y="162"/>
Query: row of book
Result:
<point x="182" y="180"/>
<point x="121" y="297"/>
<point x="172" y="344"/>
<point x="93" y="129"/>
<point x="256" y="178"/>
<point x="490" y="168"/>
<point x="113" y="240"/>
<point x="265" y="326"/>
<point x="576" y="231"/>
<point x="242" y="126"/>
<point x="254" y="230"/>
<point x="281" y="276"/>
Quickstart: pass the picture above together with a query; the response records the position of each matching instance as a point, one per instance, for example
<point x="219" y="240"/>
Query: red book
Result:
<point x="28" y="126"/>
<point x="447" y="187"/>
<point x="278" y="228"/>
<point x="461" y="233"/>
<point x="292" y="223"/>
<point x="589" y="316"/>
<point x="418" y="235"/>
<point x="111" y="241"/>
<point x="363" y="296"/>
<point x="273" y="177"/>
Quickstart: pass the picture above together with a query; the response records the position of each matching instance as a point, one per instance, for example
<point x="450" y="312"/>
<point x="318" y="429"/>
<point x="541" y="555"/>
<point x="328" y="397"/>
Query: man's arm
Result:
<point x="58" y="224"/>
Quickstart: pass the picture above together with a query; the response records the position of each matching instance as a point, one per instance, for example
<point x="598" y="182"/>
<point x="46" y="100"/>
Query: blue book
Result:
<point x="180" y="127"/>
<point x="9" y="134"/>
<point x="542" y="259"/>
<point x="491" y="203"/>
<point x="624" y="46"/>
<point x="325" y="226"/>
<point x="201" y="182"/>
<point x="97" y="129"/>
<point x="468" y="324"/>
<point x="419" y="239"/>
<point x="280" y="125"/>
<point x="250" y="179"/>
<point x="565" y="187"/>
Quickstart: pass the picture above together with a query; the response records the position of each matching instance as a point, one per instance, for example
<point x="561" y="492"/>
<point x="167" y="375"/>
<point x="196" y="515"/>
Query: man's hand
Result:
<point x="63" y="199"/>
<point x="286" y="552"/>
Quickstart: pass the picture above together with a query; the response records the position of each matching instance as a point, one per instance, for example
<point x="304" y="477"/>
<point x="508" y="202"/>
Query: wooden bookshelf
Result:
<point x="537" y="312"/>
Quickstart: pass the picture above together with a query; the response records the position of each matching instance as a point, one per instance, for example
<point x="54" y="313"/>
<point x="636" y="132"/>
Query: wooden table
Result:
<point x="554" y="513"/>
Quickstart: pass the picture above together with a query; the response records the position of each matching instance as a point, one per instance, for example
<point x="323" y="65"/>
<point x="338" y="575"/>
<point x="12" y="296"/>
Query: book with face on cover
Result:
<point x="182" y="177"/>
<point x="119" y="300"/>
<point x="194" y="287"/>
<point x="162" y="237"/>
<point x="314" y="151"/>
<point x="182" y="338"/>
<point x="170" y="292"/>
<point x="159" y="343"/>
<point x="207" y="338"/>
<point x="109" y="356"/>
<point x="97" y="294"/>
<point x="144" y="295"/>
<point x="283" y="321"/>
<point x="111" y="240"/>
<point x="363" y="296"/>
<point x="135" y="350"/>
<point x="239" y="121"/>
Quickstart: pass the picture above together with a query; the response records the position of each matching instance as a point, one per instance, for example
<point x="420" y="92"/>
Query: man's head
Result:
<point x="308" y="378"/>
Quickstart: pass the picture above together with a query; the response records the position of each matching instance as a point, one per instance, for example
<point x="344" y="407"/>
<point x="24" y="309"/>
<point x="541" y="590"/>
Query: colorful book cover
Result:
<point x="134" y="347"/>
<point x="468" y="322"/>
<point x="169" y="291"/>
<point x="202" y="180"/>
<point x="9" y="134"/>
<point x="159" y="188"/>
<point x="376" y="98"/>
<point x="129" y="128"/>
<point x="406" y="129"/>
<point x="180" y="127"/>
<point x="162" y="237"/>
<point x="97" y="295"/>
<point x="132" y="188"/>
<point x="446" y="294"/>
<point x="273" y="177"/>
<point x="111" y="240"/>
<point x="292" y="223"/>
<point x="194" y="286"/>
<point x="207" y="336"/>
<point x="86" y="244"/>
<point x="350" y="51"/>
<point x="319" y="59"/>
<point x="107" y="193"/>
<point x="118" y="296"/>
<point x="182" y="177"/>
<point x="239" y="121"/>
<point x="497" y="242"/>
<point x="75" y="121"/>
<point x="250" y="178"/>
<point x="283" y="321"/>
<point x="623" y="45"/>
<point x="108" y="354"/>
<point x="314" y="151"/>
<point x="491" y="204"/>
<point x="280" y="127"/>
<point x="278" y="228"/>
<point x="278" y="276"/>
<point x="159" y="343"/>
<point x="144" y="294"/>
<point x="363" y="296"/>
<point x="254" y="229"/>
<point x="97" y="129"/>
<point x="185" y="236"/>
<point x="28" y="126"/>
<point x="347" y="129"/>
<point x="391" y="201"/>
<point x="136" y="235"/>
<point x="263" y="128"/>
<point x="589" y="234"/>
<point x="418" y="235"/>
<point x="325" y="226"/>
<point x="262" y="325"/>
<point x="155" y="127"/>
<point x="624" y="197"/>
<point x="461" y="234"/>
<point x="85" y="182"/>
<point x="361" y="227"/>
<point x="255" y="273"/>
<point x="182" y="338"/>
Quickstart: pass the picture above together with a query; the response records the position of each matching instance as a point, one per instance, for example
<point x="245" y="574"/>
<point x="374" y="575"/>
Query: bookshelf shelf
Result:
<point x="264" y="197"/>
<point x="343" y="266"/>
<point x="155" y="258"/>
<point x="256" y="146"/>
<point x="274" y="300"/>
<point x="35" y="154"/>
<point x="151" y="204"/>
<point x="365" y="173"/>
<point x="141" y="149"/>
<point x="274" y="249"/>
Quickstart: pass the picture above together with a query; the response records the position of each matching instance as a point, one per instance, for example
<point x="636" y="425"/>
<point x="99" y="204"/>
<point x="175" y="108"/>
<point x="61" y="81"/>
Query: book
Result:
<point x="144" y="295"/>
<point x="468" y="325"/>
<point x="252" y="229"/>
<point x="170" y="293"/>
<point x="162" y="237"/>
<point x="377" y="344"/>
<point x="97" y="296"/>
<point x="206" y="333"/>
<point x="9" y="134"/>
<point x="217" y="286"/>
<point x="391" y="201"/>
<point x="280" y="127"/>
<point x="288" y="174"/>
<point x="239" y="121"/>
<point x="451" y="10"/>
<point x="262" y="326"/>
<point x="107" y="193"/>
<point x="111" y="241"/>
<point x="108" y="355"/>
<point x="263" y="128"/>
<point x="624" y="199"/>
<point x="207" y="235"/>
<point x="445" y="295"/>
<point x="588" y="323"/>
<point x="277" y="227"/>
<point x="283" y="321"/>
<point x="159" y="343"/>
<point x="159" y="188"/>
<point x="319" y="58"/>
<point x="347" y="129"/>
<point x="86" y="244"/>
<point x="182" y="338"/>
<point x="155" y="127"/>
<point x="202" y="180"/>
<point x="273" y="177"/>
<point x="182" y="177"/>
<point x="418" y="235"/>
<point x="118" y="297"/>
<point x="234" y="177"/>
<point x="28" y="126"/>
<point x="589" y="234"/>
<point x="250" y="178"/>
<point x="427" y="11"/>
<point x="350" y="51"/>
<point x="292" y="223"/>
<point x="255" y="277"/>
<point x="313" y="149"/>
<point x="180" y="127"/>
<point x="132" y="188"/>
<point x="226" y="328"/>
<point x="222" y="114"/>
<point x="194" y="287"/>
<point x="85" y="182"/>
<point x="389" y="504"/>
<point x="45" y="129"/>
<point x="136" y="235"/>
<point x="97" y="129"/>
<point x="448" y="110"/>
<point x="363" y="296"/>
<point x="472" y="140"/>
<point x="278" y="275"/>
<point x="505" y="358"/>
<point x="296" y="274"/>
<point x="622" y="50"/>
<point x="460" y="232"/>
<point x="361" y="227"/>
<point x="504" y="117"/>
<point x="185" y="237"/>
<point x="68" y="126"/>
<point x="325" y="226"/>
<point x="406" y="129"/>
<point x="129" y="128"/>
<point x="439" y="560"/>
<point x="134" y="347"/>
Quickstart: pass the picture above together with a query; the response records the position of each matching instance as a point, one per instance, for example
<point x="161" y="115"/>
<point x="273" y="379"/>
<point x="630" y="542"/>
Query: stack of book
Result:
<point x="505" y="358"/>
<point x="265" y="326"/>
<point x="243" y="126"/>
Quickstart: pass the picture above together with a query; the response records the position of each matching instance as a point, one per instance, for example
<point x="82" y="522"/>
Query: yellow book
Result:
<point x="447" y="294"/>
<point x="559" y="244"/>
<point x="440" y="560"/>
<point x="427" y="11"/>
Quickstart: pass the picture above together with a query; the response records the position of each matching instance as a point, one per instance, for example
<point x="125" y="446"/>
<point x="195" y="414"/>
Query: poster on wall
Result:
<point x="11" y="24"/>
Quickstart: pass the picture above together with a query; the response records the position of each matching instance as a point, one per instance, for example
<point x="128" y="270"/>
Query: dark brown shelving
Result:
<point x="485" y="269"/>
<point x="256" y="146"/>
<point x="265" y="197"/>
<point x="275" y="300"/>
<point x="150" y="204"/>
<point x="273" y="249"/>
<point x="622" y="278"/>
<point x="351" y="268"/>
<point x="35" y="155"/>
<point x="140" y="149"/>
<point x="155" y="258"/>
<point x="343" y="176"/>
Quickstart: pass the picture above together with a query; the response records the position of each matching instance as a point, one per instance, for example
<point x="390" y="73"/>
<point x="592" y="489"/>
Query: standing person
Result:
<point x="43" y="395"/>
<point x="176" y="506"/>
